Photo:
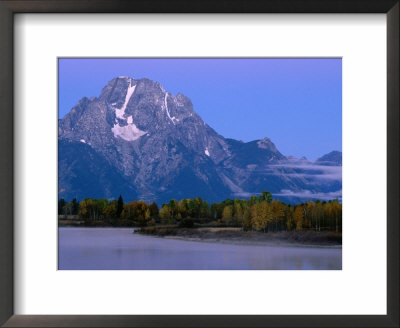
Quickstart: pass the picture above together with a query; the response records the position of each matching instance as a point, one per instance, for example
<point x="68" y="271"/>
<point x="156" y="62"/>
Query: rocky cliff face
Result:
<point x="147" y="143"/>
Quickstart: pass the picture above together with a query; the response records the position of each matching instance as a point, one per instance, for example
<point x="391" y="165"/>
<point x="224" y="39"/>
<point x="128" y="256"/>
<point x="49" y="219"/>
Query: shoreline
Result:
<point x="250" y="242"/>
<point x="236" y="236"/>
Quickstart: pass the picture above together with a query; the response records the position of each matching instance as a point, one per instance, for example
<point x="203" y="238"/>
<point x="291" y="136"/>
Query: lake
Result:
<point x="120" y="249"/>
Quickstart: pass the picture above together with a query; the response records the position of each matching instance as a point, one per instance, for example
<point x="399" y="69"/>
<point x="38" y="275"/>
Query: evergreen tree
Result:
<point x="154" y="210"/>
<point x="61" y="204"/>
<point x="267" y="196"/>
<point x="120" y="206"/>
<point x="75" y="207"/>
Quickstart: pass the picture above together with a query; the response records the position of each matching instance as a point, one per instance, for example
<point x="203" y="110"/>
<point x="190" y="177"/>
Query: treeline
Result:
<point x="257" y="213"/>
<point x="114" y="212"/>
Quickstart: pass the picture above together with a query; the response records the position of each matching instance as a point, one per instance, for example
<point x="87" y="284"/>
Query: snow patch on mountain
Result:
<point x="128" y="132"/>
<point x="207" y="152"/>
<point x="120" y="112"/>
<point x="166" y="108"/>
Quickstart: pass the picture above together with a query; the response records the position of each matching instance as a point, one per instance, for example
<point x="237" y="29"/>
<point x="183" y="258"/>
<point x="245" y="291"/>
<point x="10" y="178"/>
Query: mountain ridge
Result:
<point x="162" y="149"/>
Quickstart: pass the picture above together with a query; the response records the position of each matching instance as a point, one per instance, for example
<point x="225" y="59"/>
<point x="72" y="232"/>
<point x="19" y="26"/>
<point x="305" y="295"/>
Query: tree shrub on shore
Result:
<point x="254" y="214"/>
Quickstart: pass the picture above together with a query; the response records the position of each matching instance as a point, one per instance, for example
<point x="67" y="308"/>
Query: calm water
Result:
<point x="120" y="249"/>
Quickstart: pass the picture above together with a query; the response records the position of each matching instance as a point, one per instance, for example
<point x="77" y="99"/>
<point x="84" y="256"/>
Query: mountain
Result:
<point x="331" y="159"/>
<point x="82" y="172"/>
<point x="138" y="140"/>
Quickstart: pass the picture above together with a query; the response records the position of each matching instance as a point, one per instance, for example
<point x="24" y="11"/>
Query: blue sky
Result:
<point x="297" y="103"/>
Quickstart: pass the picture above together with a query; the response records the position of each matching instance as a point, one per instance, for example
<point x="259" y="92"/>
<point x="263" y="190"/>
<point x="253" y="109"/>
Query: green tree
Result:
<point x="173" y="207"/>
<point x="267" y="196"/>
<point x="165" y="214"/>
<point x="101" y="206"/>
<point x="183" y="208"/>
<point x="253" y="200"/>
<point x="120" y="206"/>
<point x="68" y="208"/>
<point x="216" y="210"/>
<point x="75" y="207"/>
<point x="111" y="210"/>
<point x="154" y="210"/>
<point x="91" y="209"/>
<point x="61" y="204"/>
<point x="204" y="209"/>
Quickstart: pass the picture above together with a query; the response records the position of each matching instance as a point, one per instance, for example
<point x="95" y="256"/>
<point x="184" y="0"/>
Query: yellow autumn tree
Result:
<point x="165" y="214"/>
<point x="227" y="214"/>
<point x="277" y="213"/>
<point x="298" y="217"/>
<point x="260" y="215"/>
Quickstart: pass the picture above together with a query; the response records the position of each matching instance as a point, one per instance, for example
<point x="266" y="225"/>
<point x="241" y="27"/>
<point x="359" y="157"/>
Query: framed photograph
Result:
<point x="139" y="161"/>
<point x="199" y="164"/>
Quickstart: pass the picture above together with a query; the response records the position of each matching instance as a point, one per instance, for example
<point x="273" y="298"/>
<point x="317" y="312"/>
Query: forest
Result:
<point x="262" y="213"/>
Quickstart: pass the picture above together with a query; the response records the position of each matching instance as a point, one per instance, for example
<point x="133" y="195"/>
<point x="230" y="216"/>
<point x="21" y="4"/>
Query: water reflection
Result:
<point x="120" y="249"/>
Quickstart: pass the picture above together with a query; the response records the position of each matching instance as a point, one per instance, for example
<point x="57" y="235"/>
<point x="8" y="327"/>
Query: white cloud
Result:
<point x="311" y="171"/>
<point x="307" y="194"/>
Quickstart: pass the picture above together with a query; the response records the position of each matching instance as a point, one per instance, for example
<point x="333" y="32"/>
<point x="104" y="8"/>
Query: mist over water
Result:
<point x="120" y="249"/>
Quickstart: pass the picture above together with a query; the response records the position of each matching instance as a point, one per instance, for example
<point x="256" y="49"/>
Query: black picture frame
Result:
<point x="10" y="7"/>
